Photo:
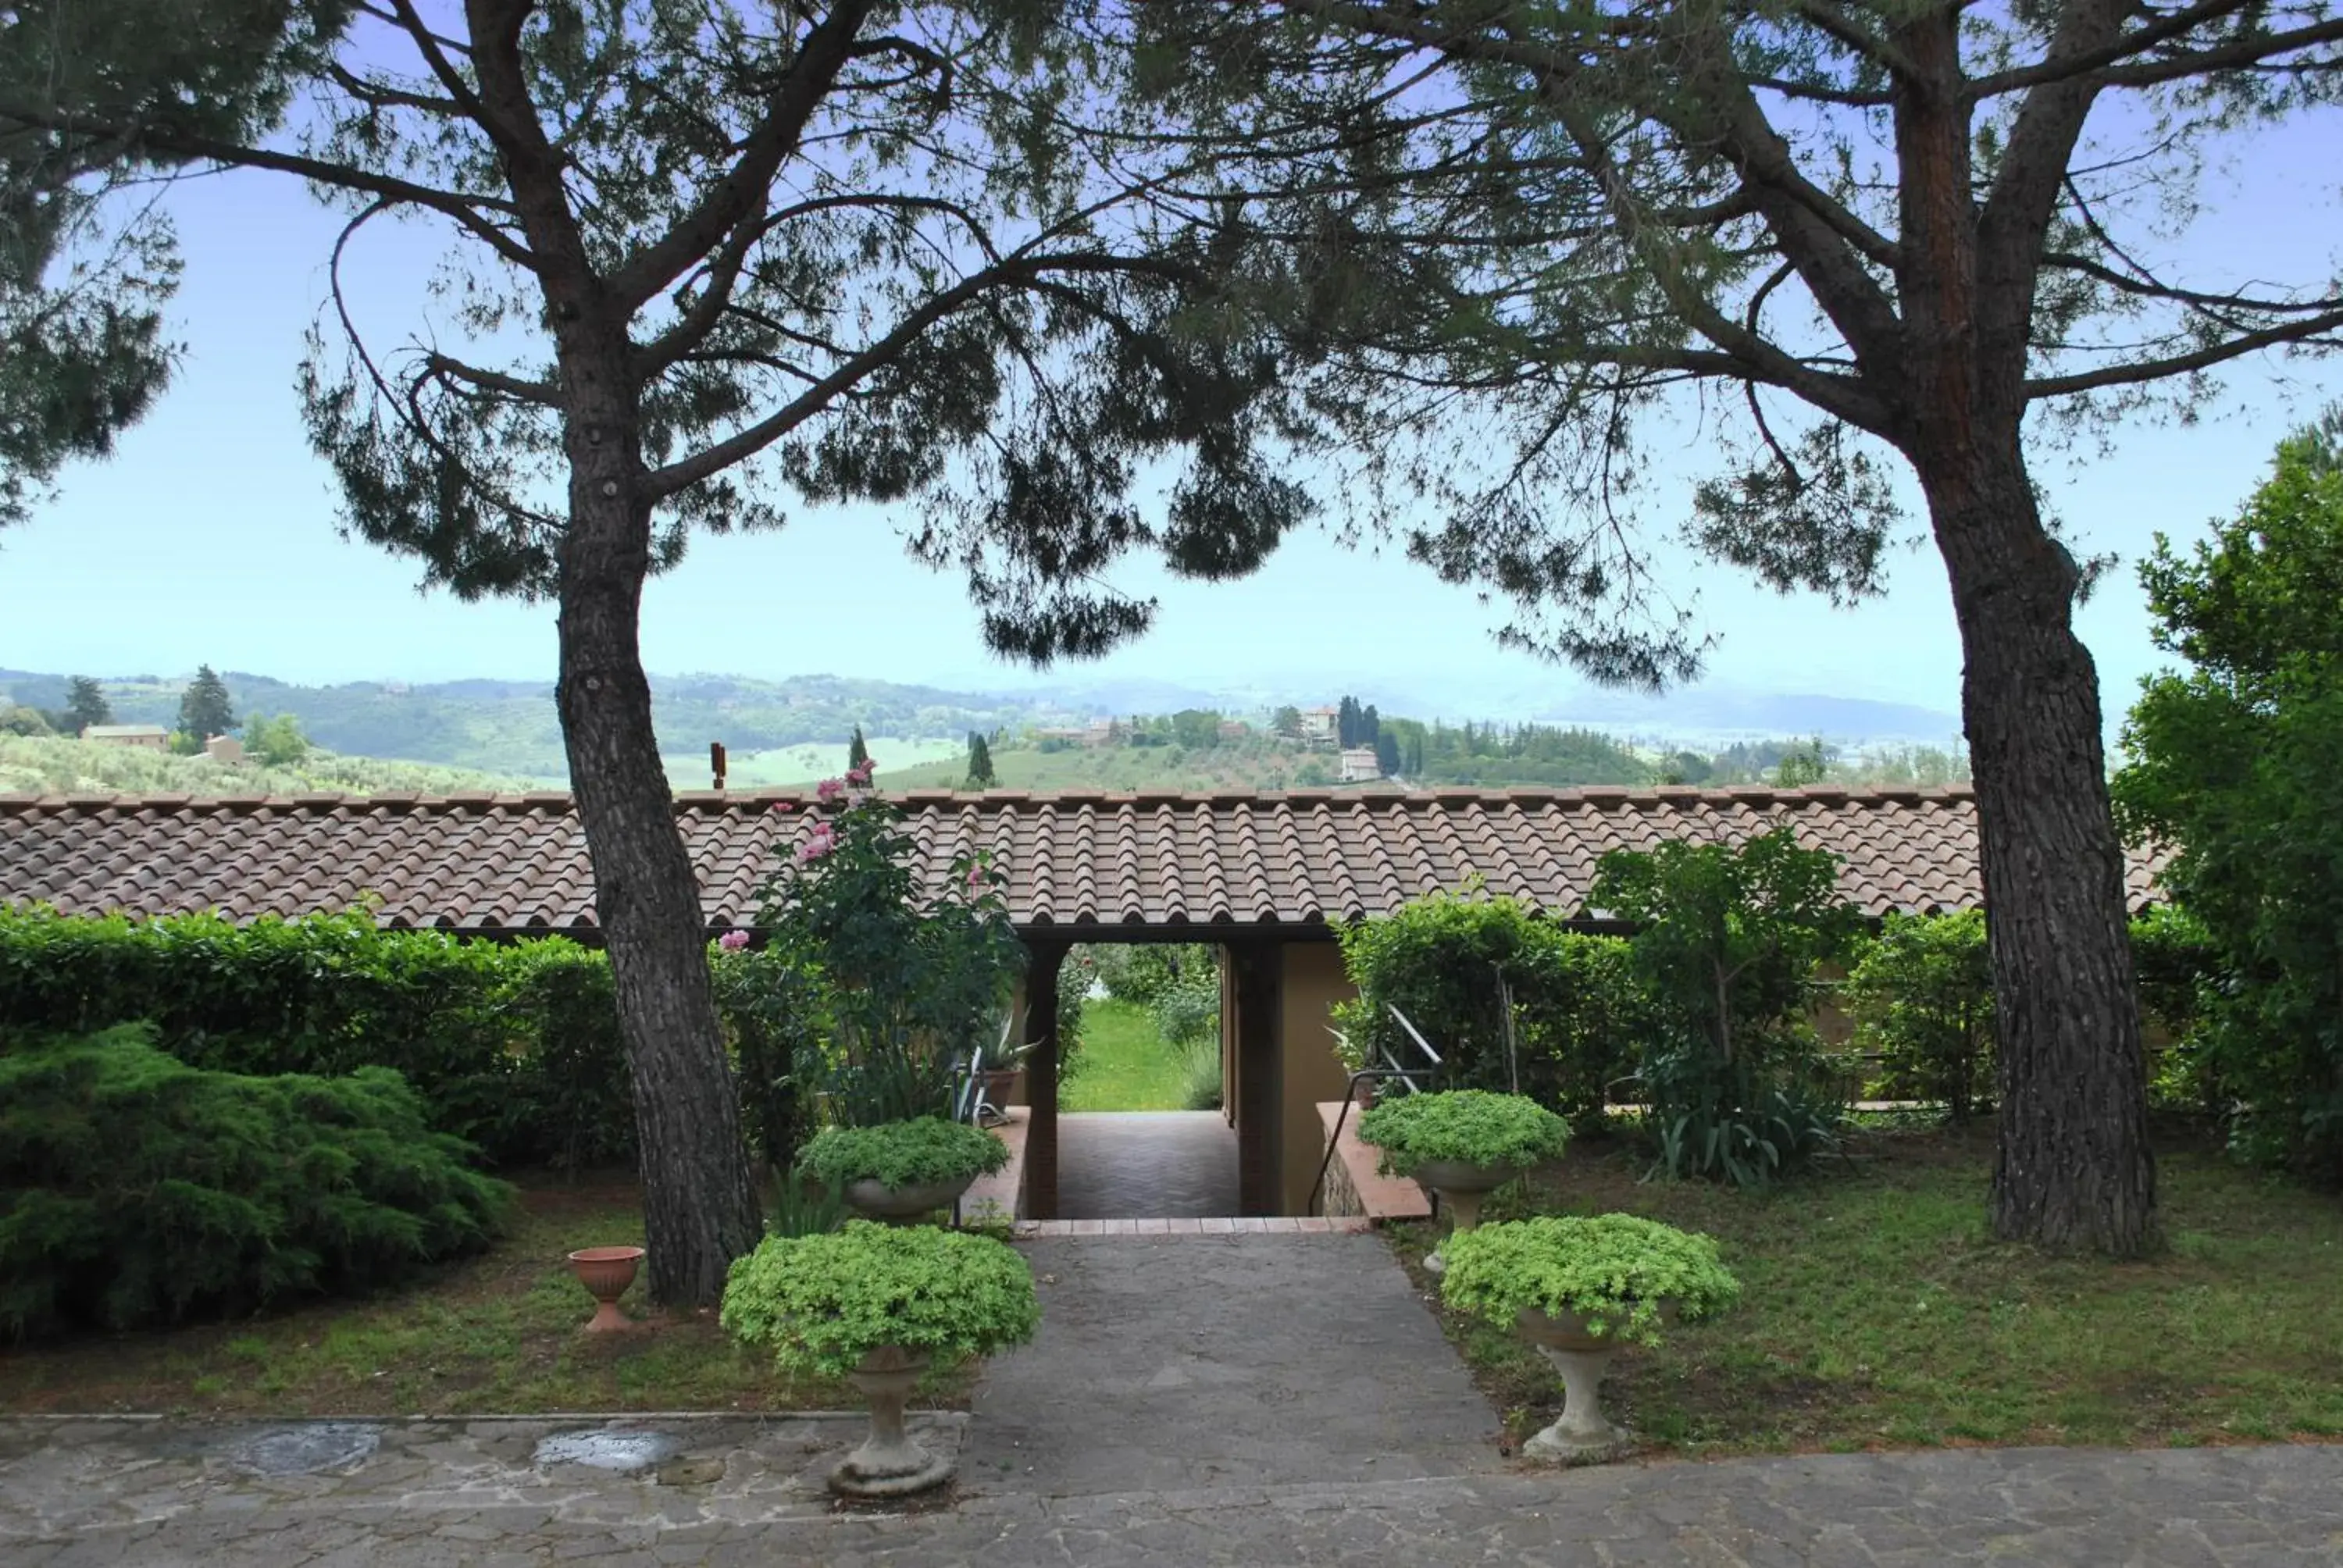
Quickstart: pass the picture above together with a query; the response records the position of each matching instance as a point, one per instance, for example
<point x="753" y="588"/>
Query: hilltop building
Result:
<point x="153" y="737"/>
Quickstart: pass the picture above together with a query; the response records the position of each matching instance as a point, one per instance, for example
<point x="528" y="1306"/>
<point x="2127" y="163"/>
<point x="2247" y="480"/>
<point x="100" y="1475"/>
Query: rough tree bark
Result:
<point x="2074" y="1170"/>
<point x="699" y="1202"/>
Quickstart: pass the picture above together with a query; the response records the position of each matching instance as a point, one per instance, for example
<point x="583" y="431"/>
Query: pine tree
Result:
<point x="1346" y="723"/>
<point x="858" y="755"/>
<point x="85" y="704"/>
<point x="980" y="762"/>
<point x="204" y="708"/>
<point x="1371" y="726"/>
<point x="1387" y="752"/>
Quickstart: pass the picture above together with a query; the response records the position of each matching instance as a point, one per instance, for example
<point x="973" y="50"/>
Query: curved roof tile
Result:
<point x="1120" y="861"/>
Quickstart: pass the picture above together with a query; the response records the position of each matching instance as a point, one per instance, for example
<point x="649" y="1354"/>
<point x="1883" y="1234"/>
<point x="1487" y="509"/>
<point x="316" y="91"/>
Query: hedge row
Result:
<point x="513" y="1047"/>
<point x="1920" y="997"/>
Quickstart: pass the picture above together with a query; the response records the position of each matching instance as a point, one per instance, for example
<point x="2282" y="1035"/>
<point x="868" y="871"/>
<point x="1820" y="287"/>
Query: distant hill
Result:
<point x="46" y="764"/>
<point x="510" y="727"/>
<point x="794" y="730"/>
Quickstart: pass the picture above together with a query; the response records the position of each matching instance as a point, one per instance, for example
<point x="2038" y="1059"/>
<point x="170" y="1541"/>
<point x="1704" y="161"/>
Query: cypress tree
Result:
<point x="204" y="708"/>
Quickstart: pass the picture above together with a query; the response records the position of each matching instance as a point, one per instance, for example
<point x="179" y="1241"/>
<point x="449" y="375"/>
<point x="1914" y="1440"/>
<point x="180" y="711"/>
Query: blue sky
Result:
<point x="210" y="536"/>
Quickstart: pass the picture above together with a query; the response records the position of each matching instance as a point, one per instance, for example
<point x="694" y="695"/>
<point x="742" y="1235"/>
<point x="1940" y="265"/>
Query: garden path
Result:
<point x="1192" y="1400"/>
<point x="1150" y="1164"/>
<point x="160" y="1494"/>
<point x="1198" y="1361"/>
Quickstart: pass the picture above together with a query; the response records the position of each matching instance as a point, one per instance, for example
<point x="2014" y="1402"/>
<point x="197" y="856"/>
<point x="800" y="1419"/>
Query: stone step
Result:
<point x="1232" y="1225"/>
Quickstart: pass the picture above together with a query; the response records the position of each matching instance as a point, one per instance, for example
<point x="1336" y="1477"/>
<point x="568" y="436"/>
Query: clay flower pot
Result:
<point x="903" y="1205"/>
<point x="605" y="1272"/>
<point x="1461" y="1187"/>
<point x="888" y="1463"/>
<point x="1582" y="1432"/>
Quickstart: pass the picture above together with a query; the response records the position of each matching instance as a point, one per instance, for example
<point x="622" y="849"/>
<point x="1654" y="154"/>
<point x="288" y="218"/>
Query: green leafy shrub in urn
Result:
<point x="1463" y="1126"/>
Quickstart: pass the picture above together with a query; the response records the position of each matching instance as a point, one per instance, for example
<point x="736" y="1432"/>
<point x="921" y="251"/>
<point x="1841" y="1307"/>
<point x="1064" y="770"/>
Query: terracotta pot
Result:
<point x="1461" y="1187"/>
<point x="605" y="1272"/>
<point x="903" y="1205"/>
<point x="1000" y="1084"/>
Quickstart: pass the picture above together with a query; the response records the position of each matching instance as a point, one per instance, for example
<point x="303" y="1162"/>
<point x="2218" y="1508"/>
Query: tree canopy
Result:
<point x="87" y="263"/>
<point x="205" y="709"/>
<point x="2236" y="762"/>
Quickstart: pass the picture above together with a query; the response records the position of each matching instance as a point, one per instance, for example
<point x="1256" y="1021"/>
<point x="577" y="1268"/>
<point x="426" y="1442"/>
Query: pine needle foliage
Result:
<point x="135" y="1190"/>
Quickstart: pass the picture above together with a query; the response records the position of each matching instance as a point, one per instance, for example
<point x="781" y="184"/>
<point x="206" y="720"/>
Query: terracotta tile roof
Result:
<point x="1297" y="858"/>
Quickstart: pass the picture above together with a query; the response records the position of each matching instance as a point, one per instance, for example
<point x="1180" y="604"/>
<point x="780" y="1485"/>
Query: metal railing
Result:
<point x="1403" y="1078"/>
<point x="969" y="1103"/>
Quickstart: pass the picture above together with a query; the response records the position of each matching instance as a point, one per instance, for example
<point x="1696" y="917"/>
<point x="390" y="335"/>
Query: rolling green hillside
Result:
<point x="509" y="727"/>
<point x="46" y="764"/>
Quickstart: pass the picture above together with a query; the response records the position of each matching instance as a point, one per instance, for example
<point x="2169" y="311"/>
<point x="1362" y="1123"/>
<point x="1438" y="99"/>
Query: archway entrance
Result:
<point x="1274" y="990"/>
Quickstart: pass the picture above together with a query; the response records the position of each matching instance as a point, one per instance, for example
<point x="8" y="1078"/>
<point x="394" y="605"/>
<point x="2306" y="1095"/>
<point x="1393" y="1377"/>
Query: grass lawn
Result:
<point x="496" y="1333"/>
<point x="1876" y="1313"/>
<point x="1125" y="1065"/>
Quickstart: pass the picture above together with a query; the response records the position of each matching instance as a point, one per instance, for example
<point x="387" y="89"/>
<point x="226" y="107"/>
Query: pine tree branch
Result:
<point x="1013" y="272"/>
<point x="2312" y="330"/>
<point x="468" y="209"/>
<point x="741" y="193"/>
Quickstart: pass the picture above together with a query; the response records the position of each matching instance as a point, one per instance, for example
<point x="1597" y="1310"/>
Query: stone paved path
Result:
<point x="1152" y="1164"/>
<point x="2226" y="1508"/>
<point x="1175" y="1363"/>
<point x="1244" y="1398"/>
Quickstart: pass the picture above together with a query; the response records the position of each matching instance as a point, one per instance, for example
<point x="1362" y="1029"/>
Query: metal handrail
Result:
<point x="1390" y="1071"/>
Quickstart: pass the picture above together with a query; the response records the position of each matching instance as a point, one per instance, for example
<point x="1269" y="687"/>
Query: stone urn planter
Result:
<point x="1460" y="1187"/>
<point x="1462" y="1144"/>
<point x="875" y="1305"/>
<point x="904" y="1205"/>
<point x="605" y="1272"/>
<point x="1577" y="1289"/>
<point x="900" y="1171"/>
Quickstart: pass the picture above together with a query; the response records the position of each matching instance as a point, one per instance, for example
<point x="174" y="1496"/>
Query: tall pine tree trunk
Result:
<point x="699" y="1204"/>
<point x="2074" y="1170"/>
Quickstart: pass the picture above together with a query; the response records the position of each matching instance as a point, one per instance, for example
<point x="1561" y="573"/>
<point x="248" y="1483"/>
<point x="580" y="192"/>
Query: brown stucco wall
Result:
<point x="1312" y="983"/>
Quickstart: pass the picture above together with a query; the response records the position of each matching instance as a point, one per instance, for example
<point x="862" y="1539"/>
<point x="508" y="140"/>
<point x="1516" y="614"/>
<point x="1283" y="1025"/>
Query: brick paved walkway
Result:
<point x="1145" y="1164"/>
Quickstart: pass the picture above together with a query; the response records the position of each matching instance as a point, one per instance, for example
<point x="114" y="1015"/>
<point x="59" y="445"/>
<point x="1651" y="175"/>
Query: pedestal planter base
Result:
<point x="888" y="1463"/>
<point x="1460" y="1189"/>
<point x="1583" y="1434"/>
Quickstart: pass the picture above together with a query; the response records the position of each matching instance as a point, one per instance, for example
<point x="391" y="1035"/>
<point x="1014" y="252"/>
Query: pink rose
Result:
<point x="783" y="806"/>
<point x="858" y="777"/>
<point x="822" y="843"/>
<point x="828" y="788"/>
<point x="733" y="942"/>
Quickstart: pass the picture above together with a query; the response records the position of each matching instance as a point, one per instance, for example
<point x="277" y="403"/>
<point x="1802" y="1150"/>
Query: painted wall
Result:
<point x="1312" y="983"/>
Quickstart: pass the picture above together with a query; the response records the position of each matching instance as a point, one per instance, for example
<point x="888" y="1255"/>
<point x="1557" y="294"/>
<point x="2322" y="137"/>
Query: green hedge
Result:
<point x="1581" y="1016"/>
<point x="137" y="1189"/>
<point x="513" y="1047"/>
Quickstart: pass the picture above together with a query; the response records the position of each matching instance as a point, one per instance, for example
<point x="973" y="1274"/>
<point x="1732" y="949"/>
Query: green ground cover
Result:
<point x="496" y="1334"/>
<point x="1876" y="1312"/>
<point x="1126" y="1065"/>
